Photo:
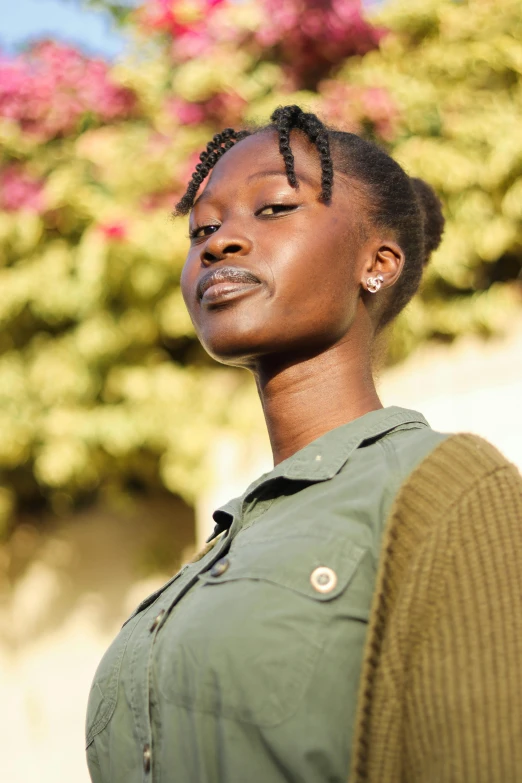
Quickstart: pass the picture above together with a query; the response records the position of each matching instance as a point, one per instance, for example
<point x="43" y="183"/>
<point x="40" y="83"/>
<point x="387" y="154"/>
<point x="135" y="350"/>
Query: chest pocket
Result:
<point x="245" y="643"/>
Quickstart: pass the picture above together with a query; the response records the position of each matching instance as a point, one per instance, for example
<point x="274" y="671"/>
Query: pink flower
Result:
<point x="115" y="231"/>
<point x="19" y="190"/>
<point x="313" y="36"/>
<point x="381" y="110"/>
<point x="188" y="22"/>
<point x="353" y="108"/>
<point x="185" y="112"/>
<point x="49" y="90"/>
<point x="176" y="17"/>
<point x="226" y="108"/>
<point x="223" y="108"/>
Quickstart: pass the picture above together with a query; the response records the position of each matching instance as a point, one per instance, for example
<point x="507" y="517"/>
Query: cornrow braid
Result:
<point x="285" y="118"/>
<point x="215" y="149"/>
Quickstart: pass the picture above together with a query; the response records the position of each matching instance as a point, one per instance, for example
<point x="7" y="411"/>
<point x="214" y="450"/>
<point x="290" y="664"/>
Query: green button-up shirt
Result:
<point x="246" y="665"/>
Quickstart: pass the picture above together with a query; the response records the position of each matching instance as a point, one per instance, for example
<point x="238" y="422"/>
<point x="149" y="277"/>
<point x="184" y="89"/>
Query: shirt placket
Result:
<point x="142" y="655"/>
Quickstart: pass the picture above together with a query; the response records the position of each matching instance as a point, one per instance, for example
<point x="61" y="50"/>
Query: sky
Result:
<point x="24" y="20"/>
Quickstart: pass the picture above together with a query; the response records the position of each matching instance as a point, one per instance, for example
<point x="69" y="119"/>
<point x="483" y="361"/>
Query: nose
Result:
<point x="223" y="244"/>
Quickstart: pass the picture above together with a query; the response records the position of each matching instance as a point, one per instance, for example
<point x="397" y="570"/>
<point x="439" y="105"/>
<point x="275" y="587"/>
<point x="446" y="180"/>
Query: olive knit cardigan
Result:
<point x="440" y="699"/>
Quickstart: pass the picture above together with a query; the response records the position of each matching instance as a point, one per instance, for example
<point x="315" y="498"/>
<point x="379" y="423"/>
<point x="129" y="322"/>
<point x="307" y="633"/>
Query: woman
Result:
<point x="357" y="607"/>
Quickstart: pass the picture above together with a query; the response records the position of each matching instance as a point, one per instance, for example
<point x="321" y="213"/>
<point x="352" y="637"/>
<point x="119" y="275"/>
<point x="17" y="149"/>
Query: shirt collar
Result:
<point x="323" y="458"/>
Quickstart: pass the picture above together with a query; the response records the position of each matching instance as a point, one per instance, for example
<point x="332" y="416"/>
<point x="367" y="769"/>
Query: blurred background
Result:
<point x="118" y="436"/>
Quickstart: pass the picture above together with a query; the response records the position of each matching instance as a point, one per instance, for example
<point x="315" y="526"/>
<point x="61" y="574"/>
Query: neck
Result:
<point x="302" y="399"/>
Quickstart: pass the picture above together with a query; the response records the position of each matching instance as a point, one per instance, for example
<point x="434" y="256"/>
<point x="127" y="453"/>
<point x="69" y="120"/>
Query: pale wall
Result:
<point x="64" y="596"/>
<point x="472" y="386"/>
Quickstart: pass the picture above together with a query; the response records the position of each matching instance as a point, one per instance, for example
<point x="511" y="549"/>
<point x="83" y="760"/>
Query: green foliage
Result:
<point x="454" y="70"/>
<point x="102" y="382"/>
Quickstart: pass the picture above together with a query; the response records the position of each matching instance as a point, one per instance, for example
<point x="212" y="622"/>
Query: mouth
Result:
<point x="225" y="283"/>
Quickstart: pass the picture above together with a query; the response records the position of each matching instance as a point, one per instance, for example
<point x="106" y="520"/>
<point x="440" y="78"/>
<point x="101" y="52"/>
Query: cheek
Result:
<point x="188" y="283"/>
<point x="329" y="288"/>
<point x="322" y="275"/>
<point x="344" y="262"/>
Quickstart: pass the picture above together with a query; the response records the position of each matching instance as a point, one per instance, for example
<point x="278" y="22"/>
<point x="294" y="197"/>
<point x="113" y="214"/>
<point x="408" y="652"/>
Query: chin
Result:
<point x="232" y="350"/>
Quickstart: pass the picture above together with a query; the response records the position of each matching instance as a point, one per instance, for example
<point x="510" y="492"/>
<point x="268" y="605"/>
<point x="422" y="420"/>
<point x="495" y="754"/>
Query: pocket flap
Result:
<point x="317" y="568"/>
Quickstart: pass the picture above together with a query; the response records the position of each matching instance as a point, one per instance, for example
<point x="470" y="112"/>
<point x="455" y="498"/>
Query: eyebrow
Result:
<point x="261" y="175"/>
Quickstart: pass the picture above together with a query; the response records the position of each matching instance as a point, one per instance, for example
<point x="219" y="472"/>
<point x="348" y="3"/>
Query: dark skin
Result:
<point x="306" y="328"/>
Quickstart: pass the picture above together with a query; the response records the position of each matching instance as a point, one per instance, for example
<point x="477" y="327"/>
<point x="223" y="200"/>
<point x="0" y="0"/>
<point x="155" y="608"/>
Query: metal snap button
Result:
<point x="220" y="567"/>
<point x="157" y="621"/>
<point x="323" y="579"/>
<point x="146" y="757"/>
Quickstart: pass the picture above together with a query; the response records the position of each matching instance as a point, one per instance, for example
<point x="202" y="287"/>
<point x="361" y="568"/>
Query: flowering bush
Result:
<point x="48" y="91"/>
<point x="19" y="190"/>
<point x="454" y="73"/>
<point x="311" y="37"/>
<point x="190" y="23"/>
<point x="102" y="382"/>
<point x="361" y="110"/>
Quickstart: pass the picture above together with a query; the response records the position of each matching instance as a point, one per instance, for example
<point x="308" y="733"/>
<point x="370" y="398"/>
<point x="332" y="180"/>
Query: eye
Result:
<point x="198" y="232"/>
<point x="270" y="210"/>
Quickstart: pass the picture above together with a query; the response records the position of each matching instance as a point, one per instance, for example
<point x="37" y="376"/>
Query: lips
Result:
<point x="228" y="278"/>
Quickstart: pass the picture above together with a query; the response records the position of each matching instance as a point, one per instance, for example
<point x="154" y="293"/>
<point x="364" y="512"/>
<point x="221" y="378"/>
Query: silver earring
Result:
<point x="374" y="283"/>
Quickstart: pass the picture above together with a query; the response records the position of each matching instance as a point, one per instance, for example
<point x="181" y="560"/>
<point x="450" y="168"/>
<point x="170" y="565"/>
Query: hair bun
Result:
<point x="432" y="217"/>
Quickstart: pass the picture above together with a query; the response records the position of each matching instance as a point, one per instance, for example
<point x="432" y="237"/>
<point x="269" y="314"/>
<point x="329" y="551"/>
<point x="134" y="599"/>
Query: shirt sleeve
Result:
<point x="463" y="696"/>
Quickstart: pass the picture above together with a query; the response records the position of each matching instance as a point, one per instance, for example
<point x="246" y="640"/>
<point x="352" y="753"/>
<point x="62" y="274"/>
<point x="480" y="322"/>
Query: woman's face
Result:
<point x="271" y="270"/>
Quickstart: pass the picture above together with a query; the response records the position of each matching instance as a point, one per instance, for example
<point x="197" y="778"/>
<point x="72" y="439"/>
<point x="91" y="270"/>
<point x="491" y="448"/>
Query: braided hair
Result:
<point x="407" y="206"/>
<point x="215" y="149"/>
<point x="284" y="120"/>
<point x="288" y="117"/>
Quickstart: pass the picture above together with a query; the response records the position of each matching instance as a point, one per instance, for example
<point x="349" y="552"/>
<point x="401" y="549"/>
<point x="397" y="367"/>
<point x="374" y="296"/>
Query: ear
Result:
<point x="387" y="260"/>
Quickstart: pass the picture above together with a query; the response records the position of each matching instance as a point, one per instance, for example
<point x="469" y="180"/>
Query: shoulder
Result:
<point x="409" y="445"/>
<point x="444" y="628"/>
<point x="394" y="457"/>
<point x="464" y="496"/>
<point x="458" y="467"/>
<point x="454" y="532"/>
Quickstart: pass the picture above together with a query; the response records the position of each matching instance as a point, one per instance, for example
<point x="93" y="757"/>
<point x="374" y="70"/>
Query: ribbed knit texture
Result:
<point x="441" y="687"/>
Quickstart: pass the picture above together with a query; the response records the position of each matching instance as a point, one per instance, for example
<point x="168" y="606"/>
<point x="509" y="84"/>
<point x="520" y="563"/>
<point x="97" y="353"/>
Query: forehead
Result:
<point x="259" y="154"/>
